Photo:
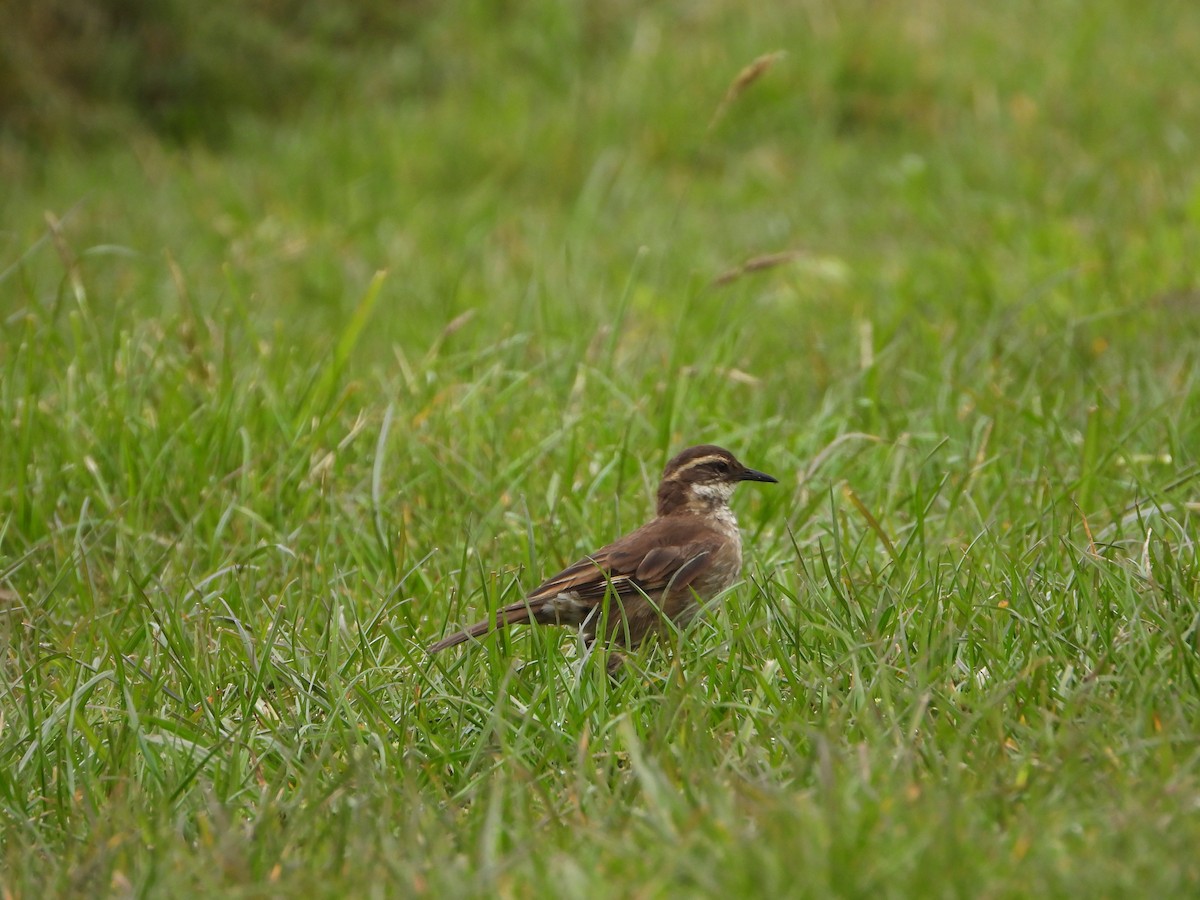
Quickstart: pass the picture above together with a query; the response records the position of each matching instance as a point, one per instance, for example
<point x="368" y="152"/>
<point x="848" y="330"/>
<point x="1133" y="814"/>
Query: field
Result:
<point x="278" y="413"/>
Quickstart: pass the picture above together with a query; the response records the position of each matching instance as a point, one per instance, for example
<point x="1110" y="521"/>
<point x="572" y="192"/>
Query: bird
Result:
<point x="667" y="570"/>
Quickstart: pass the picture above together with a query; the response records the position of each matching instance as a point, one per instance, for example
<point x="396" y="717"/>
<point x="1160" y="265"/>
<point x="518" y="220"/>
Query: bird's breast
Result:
<point x="726" y="563"/>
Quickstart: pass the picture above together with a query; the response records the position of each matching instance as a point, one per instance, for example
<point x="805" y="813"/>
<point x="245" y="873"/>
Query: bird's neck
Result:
<point x="713" y="512"/>
<point x="708" y="500"/>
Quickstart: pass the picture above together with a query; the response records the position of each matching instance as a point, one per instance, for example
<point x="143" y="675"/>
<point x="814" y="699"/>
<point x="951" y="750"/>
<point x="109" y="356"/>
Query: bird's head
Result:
<point x="703" y="478"/>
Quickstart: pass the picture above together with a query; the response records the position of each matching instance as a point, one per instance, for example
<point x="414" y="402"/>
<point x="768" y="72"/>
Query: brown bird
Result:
<point x="666" y="570"/>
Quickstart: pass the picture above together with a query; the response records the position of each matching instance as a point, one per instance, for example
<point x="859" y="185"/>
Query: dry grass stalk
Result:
<point x="744" y="79"/>
<point x="757" y="264"/>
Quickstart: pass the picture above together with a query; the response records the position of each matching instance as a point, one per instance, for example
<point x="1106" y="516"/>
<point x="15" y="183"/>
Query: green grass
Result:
<point x="244" y="479"/>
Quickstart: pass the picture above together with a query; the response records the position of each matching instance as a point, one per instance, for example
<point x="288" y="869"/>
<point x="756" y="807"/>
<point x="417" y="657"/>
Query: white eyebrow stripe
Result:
<point x="700" y="461"/>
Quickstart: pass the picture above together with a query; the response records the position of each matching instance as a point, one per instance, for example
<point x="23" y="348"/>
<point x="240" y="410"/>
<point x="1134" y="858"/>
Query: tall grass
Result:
<point x="276" y="418"/>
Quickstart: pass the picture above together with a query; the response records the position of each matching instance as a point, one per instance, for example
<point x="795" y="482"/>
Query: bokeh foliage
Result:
<point x="88" y="69"/>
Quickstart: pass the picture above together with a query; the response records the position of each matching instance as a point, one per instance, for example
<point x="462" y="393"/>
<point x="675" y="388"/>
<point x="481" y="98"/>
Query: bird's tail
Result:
<point x="516" y="614"/>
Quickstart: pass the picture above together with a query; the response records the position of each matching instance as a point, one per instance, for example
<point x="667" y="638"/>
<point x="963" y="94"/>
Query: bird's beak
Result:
<point x="755" y="475"/>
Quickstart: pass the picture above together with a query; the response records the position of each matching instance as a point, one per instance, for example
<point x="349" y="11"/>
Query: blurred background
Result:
<point x="531" y="156"/>
<point x="667" y="219"/>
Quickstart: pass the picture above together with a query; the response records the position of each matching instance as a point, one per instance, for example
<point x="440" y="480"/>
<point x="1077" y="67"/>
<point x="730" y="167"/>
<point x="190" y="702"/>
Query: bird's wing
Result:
<point x="658" y="556"/>
<point x="643" y="562"/>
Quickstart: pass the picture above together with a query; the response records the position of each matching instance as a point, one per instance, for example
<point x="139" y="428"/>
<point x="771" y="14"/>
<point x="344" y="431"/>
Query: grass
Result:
<point x="245" y="479"/>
